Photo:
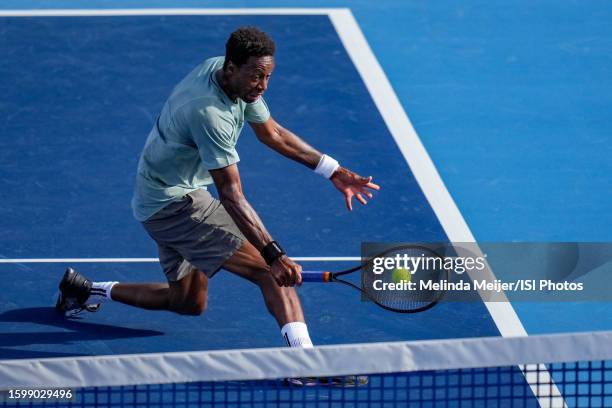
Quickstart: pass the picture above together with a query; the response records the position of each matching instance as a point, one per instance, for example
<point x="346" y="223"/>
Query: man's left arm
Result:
<point x="290" y="145"/>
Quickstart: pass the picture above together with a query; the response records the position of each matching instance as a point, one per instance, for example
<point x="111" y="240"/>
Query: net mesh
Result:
<point x="556" y="384"/>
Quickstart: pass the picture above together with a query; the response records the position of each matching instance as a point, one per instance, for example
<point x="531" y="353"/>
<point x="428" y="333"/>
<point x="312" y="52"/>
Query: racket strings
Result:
<point x="415" y="281"/>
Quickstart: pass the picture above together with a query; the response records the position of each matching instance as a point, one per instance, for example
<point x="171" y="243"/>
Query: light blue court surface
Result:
<point x="511" y="104"/>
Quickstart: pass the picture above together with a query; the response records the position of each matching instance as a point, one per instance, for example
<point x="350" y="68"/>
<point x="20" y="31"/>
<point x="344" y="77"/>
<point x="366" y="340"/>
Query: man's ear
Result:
<point x="230" y="68"/>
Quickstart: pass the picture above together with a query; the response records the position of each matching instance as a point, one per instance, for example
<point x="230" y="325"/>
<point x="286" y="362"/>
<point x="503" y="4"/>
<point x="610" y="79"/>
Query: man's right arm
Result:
<point x="227" y="180"/>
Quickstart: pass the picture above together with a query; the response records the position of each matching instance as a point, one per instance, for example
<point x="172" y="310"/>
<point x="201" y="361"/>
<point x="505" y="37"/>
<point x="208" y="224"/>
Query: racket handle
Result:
<point x="316" y="276"/>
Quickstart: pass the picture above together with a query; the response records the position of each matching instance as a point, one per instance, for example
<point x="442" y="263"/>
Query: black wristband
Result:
<point x="271" y="252"/>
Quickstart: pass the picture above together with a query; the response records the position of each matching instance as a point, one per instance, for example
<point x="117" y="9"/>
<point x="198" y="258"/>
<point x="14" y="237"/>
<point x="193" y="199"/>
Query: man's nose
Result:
<point x="263" y="85"/>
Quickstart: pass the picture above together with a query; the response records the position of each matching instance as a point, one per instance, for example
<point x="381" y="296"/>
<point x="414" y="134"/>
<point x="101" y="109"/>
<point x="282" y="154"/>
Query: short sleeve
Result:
<point x="214" y="138"/>
<point x="257" y="112"/>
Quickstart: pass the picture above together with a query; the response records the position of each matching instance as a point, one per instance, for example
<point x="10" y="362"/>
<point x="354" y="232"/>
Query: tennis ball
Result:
<point x="401" y="274"/>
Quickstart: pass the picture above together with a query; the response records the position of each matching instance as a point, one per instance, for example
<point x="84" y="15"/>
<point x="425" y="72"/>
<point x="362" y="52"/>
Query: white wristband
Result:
<point x="326" y="167"/>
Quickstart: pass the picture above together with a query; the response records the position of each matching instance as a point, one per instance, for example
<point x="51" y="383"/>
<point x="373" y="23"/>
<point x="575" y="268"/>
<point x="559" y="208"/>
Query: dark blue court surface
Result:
<point x="510" y="101"/>
<point x="81" y="94"/>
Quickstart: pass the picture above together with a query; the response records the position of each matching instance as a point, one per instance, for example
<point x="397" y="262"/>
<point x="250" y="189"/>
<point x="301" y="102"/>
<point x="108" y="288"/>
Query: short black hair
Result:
<point x="247" y="42"/>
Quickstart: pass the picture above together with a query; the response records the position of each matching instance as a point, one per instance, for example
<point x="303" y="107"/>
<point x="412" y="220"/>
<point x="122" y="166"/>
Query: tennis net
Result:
<point x="562" y="370"/>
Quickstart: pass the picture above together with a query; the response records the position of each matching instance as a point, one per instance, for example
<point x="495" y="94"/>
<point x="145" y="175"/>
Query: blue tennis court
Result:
<point x="507" y="140"/>
<point x="93" y="166"/>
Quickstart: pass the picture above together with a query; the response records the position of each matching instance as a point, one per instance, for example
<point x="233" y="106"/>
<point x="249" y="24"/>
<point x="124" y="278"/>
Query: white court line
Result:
<point x="150" y="260"/>
<point x="414" y="152"/>
<point x="165" y="12"/>
<point x="426" y="174"/>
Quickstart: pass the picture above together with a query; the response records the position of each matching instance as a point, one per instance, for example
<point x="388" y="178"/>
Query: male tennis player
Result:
<point x="191" y="146"/>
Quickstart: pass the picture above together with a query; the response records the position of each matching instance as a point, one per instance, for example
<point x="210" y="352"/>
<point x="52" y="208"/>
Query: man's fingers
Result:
<point x="361" y="199"/>
<point x="366" y="193"/>
<point x="299" y="275"/>
<point x="373" y="186"/>
<point x="367" y="182"/>
<point x="291" y="274"/>
<point x="279" y="281"/>
<point x="349" y="204"/>
<point x="295" y="275"/>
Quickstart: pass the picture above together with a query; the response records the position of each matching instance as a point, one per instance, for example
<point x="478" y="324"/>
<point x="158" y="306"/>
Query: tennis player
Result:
<point x="191" y="146"/>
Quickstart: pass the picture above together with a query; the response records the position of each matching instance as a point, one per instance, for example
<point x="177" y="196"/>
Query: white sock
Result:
<point x="100" y="292"/>
<point x="295" y="334"/>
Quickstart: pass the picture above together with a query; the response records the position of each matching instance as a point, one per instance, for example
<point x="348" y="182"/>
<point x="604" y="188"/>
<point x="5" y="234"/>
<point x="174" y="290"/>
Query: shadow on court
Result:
<point x="75" y="331"/>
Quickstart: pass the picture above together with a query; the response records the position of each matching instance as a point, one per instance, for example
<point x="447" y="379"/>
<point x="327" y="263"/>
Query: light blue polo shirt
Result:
<point x="196" y="131"/>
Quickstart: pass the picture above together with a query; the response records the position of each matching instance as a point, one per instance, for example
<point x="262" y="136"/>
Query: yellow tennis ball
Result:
<point x="401" y="275"/>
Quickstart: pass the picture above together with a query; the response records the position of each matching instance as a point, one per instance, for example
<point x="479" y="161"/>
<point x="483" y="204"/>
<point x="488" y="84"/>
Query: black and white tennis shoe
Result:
<point x="74" y="290"/>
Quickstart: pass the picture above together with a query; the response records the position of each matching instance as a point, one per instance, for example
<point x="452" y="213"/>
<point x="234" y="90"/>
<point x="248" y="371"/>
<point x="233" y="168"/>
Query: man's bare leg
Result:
<point x="190" y="294"/>
<point x="186" y="296"/>
<point x="282" y="302"/>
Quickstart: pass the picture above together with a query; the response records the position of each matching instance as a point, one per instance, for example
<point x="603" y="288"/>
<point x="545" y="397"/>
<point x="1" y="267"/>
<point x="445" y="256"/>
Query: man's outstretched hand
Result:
<point x="353" y="185"/>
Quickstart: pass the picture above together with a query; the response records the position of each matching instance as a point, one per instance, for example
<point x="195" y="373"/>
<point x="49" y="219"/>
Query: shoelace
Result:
<point x="72" y="308"/>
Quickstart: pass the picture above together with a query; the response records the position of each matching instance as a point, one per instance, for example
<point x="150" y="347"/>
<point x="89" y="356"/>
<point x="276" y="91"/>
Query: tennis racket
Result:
<point x="427" y="279"/>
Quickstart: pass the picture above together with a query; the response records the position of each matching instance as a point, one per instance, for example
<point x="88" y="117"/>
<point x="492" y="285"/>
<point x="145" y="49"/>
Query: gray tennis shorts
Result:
<point x="194" y="231"/>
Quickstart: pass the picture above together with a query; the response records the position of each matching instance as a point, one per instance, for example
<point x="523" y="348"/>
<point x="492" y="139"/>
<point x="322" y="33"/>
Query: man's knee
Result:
<point x="190" y="296"/>
<point x="191" y="307"/>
